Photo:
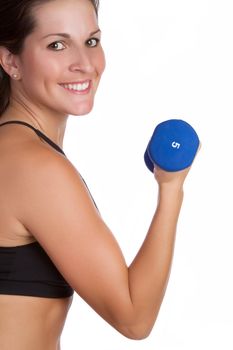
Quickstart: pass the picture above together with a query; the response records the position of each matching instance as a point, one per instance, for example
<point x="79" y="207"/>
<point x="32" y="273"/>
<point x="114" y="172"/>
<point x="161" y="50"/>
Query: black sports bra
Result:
<point x="27" y="269"/>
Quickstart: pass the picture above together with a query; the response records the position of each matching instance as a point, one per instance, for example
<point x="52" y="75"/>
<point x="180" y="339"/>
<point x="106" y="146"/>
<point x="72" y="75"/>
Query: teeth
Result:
<point x="76" y="87"/>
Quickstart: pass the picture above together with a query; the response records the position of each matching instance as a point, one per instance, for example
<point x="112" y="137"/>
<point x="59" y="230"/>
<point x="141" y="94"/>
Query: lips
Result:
<point x="78" y="87"/>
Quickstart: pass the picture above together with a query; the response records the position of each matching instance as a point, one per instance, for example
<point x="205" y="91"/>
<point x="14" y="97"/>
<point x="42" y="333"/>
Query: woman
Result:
<point x="52" y="239"/>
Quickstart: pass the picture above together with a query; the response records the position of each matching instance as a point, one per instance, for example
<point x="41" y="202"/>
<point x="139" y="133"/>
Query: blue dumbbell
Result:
<point x="172" y="146"/>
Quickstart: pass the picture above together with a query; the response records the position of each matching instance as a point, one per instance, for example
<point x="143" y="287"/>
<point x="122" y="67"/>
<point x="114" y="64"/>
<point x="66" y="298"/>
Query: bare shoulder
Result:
<point x="46" y="177"/>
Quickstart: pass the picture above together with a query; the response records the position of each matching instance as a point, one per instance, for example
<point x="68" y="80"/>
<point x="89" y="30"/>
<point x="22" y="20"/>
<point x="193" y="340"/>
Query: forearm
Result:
<point x="149" y="272"/>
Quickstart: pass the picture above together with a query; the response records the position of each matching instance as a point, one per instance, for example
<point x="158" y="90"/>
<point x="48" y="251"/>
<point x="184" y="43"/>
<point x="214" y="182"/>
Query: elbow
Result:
<point x="134" y="325"/>
<point x="136" y="331"/>
<point x="136" y="336"/>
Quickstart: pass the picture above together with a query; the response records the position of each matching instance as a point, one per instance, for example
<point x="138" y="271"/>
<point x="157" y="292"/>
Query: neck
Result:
<point x="52" y="125"/>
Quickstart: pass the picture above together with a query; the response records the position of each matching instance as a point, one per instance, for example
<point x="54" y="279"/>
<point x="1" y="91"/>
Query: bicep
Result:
<point x="59" y="211"/>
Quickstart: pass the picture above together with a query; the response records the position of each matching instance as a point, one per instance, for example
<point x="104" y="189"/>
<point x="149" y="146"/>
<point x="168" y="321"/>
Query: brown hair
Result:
<point x="16" y="23"/>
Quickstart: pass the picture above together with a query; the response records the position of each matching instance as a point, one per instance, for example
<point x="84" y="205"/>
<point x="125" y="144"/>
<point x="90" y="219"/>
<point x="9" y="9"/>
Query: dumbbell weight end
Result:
<point x="172" y="146"/>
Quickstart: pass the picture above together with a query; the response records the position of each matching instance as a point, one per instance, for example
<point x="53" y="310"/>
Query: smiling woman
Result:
<point x="13" y="33"/>
<point x="53" y="240"/>
<point x="72" y="53"/>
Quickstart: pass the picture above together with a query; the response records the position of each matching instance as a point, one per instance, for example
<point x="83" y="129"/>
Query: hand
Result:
<point x="175" y="178"/>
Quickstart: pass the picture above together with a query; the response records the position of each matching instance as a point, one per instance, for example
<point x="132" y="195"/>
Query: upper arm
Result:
<point x="56" y="207"/>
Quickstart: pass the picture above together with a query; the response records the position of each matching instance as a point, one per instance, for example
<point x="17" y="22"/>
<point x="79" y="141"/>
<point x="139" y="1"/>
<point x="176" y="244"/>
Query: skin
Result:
<point x="37" y="94"/>
<point x="130" y="301"/>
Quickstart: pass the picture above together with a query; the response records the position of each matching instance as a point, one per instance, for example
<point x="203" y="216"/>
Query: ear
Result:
<point x="8" y="61"/>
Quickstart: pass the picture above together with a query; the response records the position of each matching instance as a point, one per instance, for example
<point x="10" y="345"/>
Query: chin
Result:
<point x="83" y="109"/>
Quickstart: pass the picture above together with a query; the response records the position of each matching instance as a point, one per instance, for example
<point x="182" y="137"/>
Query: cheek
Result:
<point x="38" y="67"/>
<point x="38" y="78"/>
<point x="100" y="62"/>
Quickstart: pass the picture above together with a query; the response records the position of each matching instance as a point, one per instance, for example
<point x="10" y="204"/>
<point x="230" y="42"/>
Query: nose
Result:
<point x="82" y="62"/>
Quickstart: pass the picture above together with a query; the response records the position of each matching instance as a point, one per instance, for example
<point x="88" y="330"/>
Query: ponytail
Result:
<point x="4" y="90"/>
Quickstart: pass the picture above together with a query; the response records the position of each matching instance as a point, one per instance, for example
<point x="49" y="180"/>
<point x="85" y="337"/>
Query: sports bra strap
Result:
<point x="54" y="145"/>
<point x="38" y="132"/>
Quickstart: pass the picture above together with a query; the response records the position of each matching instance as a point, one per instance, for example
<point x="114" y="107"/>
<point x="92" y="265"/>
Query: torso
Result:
<point x="28" y="323"/>
<point x="25" y="322"/>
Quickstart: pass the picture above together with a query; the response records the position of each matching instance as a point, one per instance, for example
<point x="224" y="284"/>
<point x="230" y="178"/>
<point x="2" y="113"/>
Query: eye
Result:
<point x="57" y="46"/>
<point x="93" y="42"/>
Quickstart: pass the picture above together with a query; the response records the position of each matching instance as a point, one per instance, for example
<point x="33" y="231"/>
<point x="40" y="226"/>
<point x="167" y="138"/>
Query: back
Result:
<point x="16" y="143"/>
<point x="26" y="271"/>
<point x="13" y="144"/>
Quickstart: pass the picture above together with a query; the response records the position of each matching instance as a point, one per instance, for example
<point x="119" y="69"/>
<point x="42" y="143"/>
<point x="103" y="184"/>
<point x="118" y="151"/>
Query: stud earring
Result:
<point x="15" y="76"/>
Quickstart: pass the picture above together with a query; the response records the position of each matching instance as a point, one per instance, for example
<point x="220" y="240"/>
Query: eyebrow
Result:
<point x="65" y="35"/>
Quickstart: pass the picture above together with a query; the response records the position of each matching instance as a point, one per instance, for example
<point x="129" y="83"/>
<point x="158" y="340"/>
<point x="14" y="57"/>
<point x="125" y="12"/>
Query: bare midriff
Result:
<point x="28" y="323"/>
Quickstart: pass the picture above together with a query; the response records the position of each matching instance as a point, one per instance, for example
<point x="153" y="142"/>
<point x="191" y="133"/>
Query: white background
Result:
<point x="165" y="59"/>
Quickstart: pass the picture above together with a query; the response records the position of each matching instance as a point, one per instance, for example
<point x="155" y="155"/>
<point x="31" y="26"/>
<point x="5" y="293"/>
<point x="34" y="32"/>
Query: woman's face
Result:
<point x="62" y="60"/>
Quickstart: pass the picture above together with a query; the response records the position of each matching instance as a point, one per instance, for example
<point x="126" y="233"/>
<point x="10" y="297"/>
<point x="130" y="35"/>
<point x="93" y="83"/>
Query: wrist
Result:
<point x="171" y="188"/>
<point x="169" y="194"/>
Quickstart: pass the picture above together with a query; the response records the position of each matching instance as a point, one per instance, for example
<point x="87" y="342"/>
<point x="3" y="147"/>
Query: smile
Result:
<point x="78" y="87"/>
